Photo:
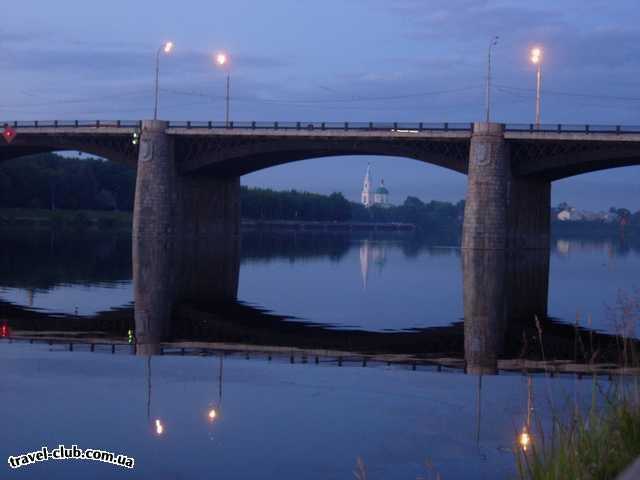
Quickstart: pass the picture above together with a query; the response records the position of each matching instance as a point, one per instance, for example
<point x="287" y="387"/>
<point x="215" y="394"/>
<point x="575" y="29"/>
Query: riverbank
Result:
<point x="40" y="218"/>
<point x="103" y="219"/>
<point x="26" y="217"/>
<point x="593" y="229"/>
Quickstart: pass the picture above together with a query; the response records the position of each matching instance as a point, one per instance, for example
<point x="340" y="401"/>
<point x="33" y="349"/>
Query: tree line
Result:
<point x="52" y="182"/>
<point x="55" y="182"/>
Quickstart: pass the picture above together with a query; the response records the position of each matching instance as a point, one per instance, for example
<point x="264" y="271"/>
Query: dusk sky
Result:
<point x="335" y="60"/>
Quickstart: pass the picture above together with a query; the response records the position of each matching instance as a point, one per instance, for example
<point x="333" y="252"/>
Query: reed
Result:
<point x="597" y="445"/>
<point x="601" y="442"/>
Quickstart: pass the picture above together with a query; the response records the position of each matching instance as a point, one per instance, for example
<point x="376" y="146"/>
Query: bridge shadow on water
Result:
<point x="185" y="297"/>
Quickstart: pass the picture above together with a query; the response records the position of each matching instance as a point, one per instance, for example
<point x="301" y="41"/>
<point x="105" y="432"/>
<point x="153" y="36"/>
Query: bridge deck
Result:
<point x="547" y="132"/>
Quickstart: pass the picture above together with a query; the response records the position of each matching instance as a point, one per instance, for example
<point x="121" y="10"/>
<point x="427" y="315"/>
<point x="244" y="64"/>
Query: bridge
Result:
<point x="187" y="214"/>
<point x="188" y="172"/>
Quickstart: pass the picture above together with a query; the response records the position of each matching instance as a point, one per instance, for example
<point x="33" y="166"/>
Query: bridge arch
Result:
<point x="564" y="160"/>
<point x="237" y="157"/>
<point x="117" y="148"/>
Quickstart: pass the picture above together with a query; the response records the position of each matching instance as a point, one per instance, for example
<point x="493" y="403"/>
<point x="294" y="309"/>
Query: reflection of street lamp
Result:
<point x="166" y="48"/>
<point x="159" y="427"/>
<point x="212" y="414"/>
<point x="536" y="59"/>
<point x="222" y="59"/>
<point x="524" y="439"/>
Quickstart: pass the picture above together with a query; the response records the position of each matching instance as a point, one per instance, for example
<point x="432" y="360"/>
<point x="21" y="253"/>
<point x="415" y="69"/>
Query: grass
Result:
<point x="601" y="443"/>
<point x="595" y="446"/>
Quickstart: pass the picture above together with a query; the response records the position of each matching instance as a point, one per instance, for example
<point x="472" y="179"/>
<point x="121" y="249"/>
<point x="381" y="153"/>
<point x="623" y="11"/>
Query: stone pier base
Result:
<point x="528" y="213"/>
<point x="485" y="212"/>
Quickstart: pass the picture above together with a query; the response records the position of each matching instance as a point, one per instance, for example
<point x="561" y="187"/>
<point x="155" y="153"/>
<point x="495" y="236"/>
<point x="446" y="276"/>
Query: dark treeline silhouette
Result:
<point x="54" y="182"/>
<point x="266" y="204"/>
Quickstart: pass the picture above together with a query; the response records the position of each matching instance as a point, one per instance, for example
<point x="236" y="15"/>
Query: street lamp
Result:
<point x="536" y="59"/>
<point x="222" y="59"/>
<point x="165" y="48"/>
<point x="494" y="41"/>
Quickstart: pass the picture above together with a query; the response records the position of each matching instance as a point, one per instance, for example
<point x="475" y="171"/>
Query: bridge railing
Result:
<point x="73" y="124"/>
<point x="406" y="127"/>
<point x="403" y="127"/>
<point x="571" y="128"/>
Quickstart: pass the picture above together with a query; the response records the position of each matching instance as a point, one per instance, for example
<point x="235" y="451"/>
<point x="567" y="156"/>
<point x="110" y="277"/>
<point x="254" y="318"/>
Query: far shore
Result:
<point x="111" y="219"/>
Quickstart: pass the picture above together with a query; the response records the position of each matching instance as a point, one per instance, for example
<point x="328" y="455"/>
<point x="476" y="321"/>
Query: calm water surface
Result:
<point x="278" y="419"/>
<point x="375" y="284"/>
<point x="275" y="420"/>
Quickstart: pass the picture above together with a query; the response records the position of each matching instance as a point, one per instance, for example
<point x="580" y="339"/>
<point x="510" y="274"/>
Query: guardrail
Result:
<point x="73" y="124"/>
<point x="359" y="126"/>
<point x="406" y="127"/>
<point x="571" y="128"/>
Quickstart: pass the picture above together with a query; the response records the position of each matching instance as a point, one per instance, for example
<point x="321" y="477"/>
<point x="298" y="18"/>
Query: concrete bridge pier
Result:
<point x="528" y="213"/>
<point x="502" y="210"/>
<point x="185" y="237"/>
<point x="170" y="203"/>
<point x="485" y="213"/>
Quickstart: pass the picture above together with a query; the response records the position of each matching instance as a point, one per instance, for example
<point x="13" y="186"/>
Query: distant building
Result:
<point x="381" y="195"/>
<point x="367" y="200"/>
<point x="570" y="214"/>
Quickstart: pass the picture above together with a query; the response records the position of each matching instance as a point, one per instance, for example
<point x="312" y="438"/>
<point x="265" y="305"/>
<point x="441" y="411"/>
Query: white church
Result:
<point x="379" y="197"/>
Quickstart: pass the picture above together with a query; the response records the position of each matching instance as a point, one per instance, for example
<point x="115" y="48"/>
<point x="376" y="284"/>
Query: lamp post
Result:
<point x="166" y="48"/>
<point x="494" y="41"/>
<point x="222" y="59"/>
<point x="536" y="59"/>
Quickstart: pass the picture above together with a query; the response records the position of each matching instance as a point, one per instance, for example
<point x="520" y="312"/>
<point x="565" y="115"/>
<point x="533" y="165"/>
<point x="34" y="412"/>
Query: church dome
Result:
<point x="382" y="190"/>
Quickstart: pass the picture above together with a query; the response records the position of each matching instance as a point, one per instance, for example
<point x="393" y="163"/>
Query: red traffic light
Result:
<point x="8" y="134"/>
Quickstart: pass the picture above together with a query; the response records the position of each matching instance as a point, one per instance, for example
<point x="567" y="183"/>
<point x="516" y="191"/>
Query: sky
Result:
<point x="335" y="60"/>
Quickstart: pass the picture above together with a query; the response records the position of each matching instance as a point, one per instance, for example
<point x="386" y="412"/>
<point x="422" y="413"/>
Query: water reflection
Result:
<point x="485" y="318"/>
<point x="371" y="254"/>
<point x="168" y="272"/>
<point x="185" y="290"/>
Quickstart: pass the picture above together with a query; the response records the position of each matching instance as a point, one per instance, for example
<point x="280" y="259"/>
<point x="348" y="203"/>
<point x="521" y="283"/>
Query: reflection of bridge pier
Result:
<point x="527" y="284"/>
<point x="500" y="288"/>
<point x="168" y="270"/>
<point x="484" y="308"/>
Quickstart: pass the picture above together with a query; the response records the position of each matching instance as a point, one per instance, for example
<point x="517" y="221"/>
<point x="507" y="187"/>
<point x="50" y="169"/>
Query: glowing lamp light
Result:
<point x="212" y="414"/>
<point x="222" y="59"/>
<point x="159" y="427"/>
<point x="4" y="331"/>
<point x="8" y="134"/>
<point x="130" y="336"/>
<point x="524" y="439"/>
<point x="536" y="55"/>
<point x="168" y="47"/>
